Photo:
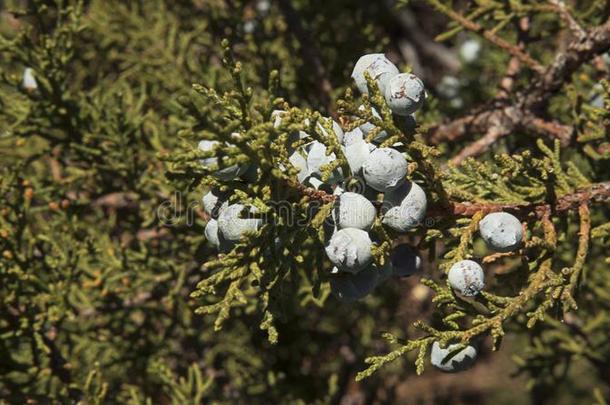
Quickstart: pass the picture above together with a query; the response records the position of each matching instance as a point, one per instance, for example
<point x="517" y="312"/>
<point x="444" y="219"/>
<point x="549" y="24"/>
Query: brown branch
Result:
<point x="117" y="200"/>
<point x="594" y="194"/>
<point x="567" y="16"/>
<point x="514" y="65"/>
<point x="525" y="113"/>
<point x="470" y="25"/>
<point x="481" y="145"/>
<point x="509" y="118"/>
<point x="579" y="51"/>
<point x="312" y="193"/>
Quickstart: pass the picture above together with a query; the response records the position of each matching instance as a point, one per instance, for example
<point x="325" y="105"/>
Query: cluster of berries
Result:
<point x="383" y="170"/>
<point x="380" y="169"/>
<point x="502" y="232"/>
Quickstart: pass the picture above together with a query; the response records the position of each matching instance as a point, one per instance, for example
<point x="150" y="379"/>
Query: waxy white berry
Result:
<point x="352" y="210"/>
<point x="300" y="163"/>
<point x="368" y="127"/>
<point x="211" y="232"/>
<point x="226" y="173"/>
<point x="405" y="94"/>
<point x="350" y="249"/>
<point x="214" y="202"/>
<point x="384" y="169"/>
<point x="336" y="129"/>
<point x="317" y="157"/>
<point x="407" y="205"/>
<point x="232" y="225"/>
<point x="379" y="68"/>
<point x="501" y="231"/>
<point x="459" y="361"/>
<point x="467" y="277"/>
<point x="29" y="81"/>
<point x="357" y="152"/>
<point x="352" y="137"/>
<point x="207" y="146"/>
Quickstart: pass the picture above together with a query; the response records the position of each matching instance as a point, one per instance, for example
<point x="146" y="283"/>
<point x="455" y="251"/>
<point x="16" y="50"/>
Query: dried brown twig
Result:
<point x="526" y="112"/>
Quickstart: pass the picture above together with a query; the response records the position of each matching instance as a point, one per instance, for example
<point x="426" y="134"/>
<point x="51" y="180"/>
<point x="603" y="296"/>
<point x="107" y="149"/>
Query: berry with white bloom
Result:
<point x="249" y="27"/>
<point x="351" y="137"/>
<point x="368" y="127"/>
<point x="501" y="231"/>
<point x="231" y="172"/>
<point x="384" y="169"/>
<point x="407" y="205"/>
<point x="276" y="117"/>
<point x="470" y="49"/>
<point x="350" y="249"/>
<point x="379" y="68"/>
<point x="232" y="225"/>
<point x="352" y="210"/>
<point x="405" y="261"/>
<point x="207" y="146"/>
<point x="467" y="277"/>
<point x="336" y="129"/>
<point x="459" y="361"/>
<point x="300" y="163"/>
<point x="29" y="81"/>
<point x="317" y="157"/>
<point x="211" y="232"/>
<point x="352" y="287"/>
<point x="318" y="184"/>
<point x="357" y="151"/>
<point x="226" y="173"/>
<point x="214" y="202"/>
<point x="405" y="94"/>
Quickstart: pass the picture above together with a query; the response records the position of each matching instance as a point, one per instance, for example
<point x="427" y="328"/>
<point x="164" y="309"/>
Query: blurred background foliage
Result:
<point x="95" y="290"/>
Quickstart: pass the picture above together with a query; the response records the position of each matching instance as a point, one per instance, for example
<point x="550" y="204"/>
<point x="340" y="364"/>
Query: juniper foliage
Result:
<point x="110" y="293"/>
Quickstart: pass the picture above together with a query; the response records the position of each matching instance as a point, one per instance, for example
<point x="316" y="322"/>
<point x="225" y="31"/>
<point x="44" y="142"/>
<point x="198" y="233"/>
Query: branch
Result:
<point x="470" y="25"/>
<point x="584" y="234"/>
<point x="579" y="51"/>
<point x="312" y="193"/>
<point x="482" y="144"/>
<point x="598" y="193"/>
<point x="525" y="113"/>
<point x="567" y="16"/>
